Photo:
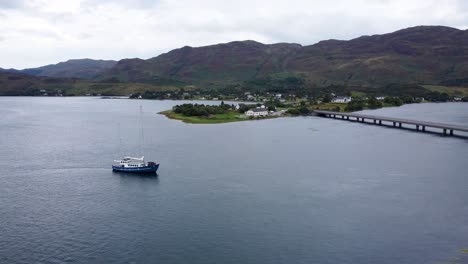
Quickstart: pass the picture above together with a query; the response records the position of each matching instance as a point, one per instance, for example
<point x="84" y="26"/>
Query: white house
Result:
<point x="380" y="98"/>
<point x="341" y="99"/>
<point x="257" y="112"/>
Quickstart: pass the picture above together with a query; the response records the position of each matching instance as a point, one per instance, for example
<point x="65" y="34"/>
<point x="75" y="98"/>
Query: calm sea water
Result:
<point x="289" y="190"/>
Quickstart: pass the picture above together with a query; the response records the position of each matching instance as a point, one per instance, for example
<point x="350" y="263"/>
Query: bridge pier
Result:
<point x="451" y="132"/>
<point x="417" y="127"/>
<point x="445" y="132"/>
<point x="394" y="124"/>
<point x="399" y="125"/>
<point x="424" y="128"/>
<point x="380" y="122"/>
<point x="375" y="121"/>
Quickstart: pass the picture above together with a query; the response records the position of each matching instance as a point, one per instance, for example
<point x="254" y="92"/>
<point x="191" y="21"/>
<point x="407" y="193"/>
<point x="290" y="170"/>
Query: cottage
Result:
<point x="341" y="99"/>
<point x="257" y="112"/>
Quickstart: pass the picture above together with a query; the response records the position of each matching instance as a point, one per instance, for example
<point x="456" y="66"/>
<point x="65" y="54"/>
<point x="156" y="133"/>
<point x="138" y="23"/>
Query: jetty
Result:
<point x="445" y="129"/>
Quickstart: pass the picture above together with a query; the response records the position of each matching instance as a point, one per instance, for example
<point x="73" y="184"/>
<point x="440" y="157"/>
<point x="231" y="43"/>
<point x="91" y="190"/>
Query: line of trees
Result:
<point x="201" y="109"/>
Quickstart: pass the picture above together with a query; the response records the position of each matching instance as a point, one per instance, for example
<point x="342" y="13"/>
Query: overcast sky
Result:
<point x="39" y="32"/>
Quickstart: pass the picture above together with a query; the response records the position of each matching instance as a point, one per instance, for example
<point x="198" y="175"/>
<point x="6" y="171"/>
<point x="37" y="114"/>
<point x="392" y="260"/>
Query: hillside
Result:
<point x="18" y="84"/>
<point x="418" y="55"/>
<point x="422" y="55"/>
<point x="81" y="68"/>
<point x="211" y="65"/>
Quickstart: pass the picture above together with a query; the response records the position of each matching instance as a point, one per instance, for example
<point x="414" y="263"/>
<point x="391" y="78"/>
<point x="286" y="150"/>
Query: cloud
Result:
<point x="6" y="4"/>
<point x="116" y="29"/>
<point x="133" y="4"/>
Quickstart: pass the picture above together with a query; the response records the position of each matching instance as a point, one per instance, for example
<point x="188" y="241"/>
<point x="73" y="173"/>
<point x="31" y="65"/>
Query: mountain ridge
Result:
<point x="421" y="55"/>
<point x="74" y="68"/>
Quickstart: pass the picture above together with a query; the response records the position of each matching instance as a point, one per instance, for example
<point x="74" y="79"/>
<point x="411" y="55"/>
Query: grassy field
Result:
<point x="213" y="119"/>
<point x="452" y="91"/>
<point x="330" y="106"/>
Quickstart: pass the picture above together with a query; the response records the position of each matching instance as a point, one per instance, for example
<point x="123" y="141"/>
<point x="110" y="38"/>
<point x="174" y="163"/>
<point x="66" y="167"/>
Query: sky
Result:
<point x="39" y="32"/>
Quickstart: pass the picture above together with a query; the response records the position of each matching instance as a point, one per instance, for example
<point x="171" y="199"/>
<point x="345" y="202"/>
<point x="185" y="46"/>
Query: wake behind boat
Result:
<point x="138" y="165"/>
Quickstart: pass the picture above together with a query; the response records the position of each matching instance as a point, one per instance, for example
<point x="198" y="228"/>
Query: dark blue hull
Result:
<point x="146" y="169"/>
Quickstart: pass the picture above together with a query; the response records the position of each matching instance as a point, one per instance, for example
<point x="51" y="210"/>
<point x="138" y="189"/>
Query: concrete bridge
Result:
<point x="445" y="129"/>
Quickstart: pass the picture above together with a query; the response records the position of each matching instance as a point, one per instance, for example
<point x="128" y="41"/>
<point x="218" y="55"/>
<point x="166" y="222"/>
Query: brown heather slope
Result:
<point x="420" y="55"/>
<point x="220" y="64"/>
<point x="423" y="55"/>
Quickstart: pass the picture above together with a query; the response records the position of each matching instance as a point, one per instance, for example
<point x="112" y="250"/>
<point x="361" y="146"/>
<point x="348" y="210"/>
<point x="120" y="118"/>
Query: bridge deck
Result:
<point x="396" y="120"/>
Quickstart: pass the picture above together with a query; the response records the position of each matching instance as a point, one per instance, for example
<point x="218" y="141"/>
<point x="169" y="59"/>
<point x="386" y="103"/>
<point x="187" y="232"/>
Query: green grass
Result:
<point x="330" y="106"/>
<point x="213" y="119"/>
<point x="452" y="91"/>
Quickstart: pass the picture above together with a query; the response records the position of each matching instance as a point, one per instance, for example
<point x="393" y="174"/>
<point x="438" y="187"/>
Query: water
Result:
<point x="289" y="190"/>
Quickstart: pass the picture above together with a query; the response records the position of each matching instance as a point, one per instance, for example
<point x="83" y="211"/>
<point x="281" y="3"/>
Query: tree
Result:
<point x="327" y="98"/>
<point x="373" y="103"/>
<point x="357" y="104"/>
<point x="294" y="111"/>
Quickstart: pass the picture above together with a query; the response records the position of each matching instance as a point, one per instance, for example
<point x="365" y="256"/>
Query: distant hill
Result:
<point x="20" y="84"/>
<point x="422" y="55"/>
<point x="216" y="65"/>
<point x="395" y="63"/>
<point x="418" y="55"/>
<point x="81" y="68"/>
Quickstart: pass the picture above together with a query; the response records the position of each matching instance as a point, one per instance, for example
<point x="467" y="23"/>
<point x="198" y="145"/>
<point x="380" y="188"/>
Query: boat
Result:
<point x="135" y="165"/>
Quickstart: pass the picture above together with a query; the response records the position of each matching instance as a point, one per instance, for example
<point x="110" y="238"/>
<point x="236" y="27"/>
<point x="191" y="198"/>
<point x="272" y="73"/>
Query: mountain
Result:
<point x="81" y="68"/>
<point x="422" y="55"/>
<point x="417" y="55"/>
<point x="216" y="64"/>
<point x="393" y="64"/>
<point x="20" y="84"/>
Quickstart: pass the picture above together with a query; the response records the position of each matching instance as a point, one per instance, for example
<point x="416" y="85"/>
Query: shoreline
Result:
<point x="214" y="119"/>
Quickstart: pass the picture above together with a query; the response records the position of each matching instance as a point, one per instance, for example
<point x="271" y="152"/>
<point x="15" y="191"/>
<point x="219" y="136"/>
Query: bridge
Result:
<point x="445" y="129"/>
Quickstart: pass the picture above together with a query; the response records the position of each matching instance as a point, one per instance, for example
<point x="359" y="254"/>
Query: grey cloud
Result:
<point x="8" y="4"/>
<point x="40" y="33"/>
<point x="85" y="36"/>
<point x="133" y="4"/>
<point x="94" y="28"/>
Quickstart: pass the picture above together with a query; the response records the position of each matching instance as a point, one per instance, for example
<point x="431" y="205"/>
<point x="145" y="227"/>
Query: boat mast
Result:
<point x="120" y="140"/>
<point x="141" y="136"/>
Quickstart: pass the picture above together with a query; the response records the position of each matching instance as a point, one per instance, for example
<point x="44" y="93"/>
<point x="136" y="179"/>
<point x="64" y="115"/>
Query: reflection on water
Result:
<point x="141" y="176"/>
